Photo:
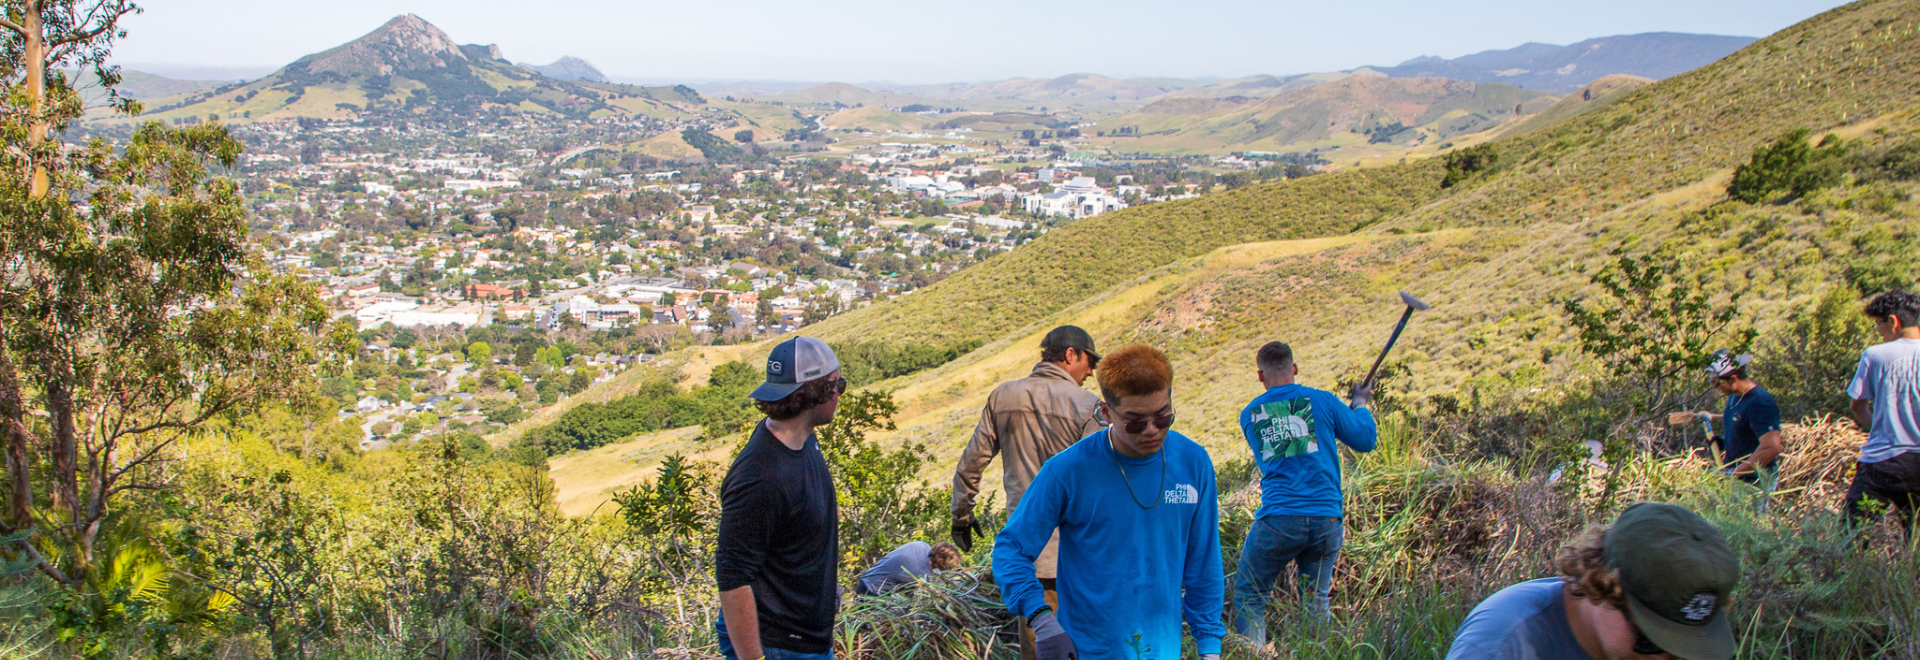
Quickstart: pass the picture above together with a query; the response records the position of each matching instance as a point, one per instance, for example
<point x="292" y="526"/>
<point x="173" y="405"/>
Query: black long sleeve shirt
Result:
<point x="779" y="533"/>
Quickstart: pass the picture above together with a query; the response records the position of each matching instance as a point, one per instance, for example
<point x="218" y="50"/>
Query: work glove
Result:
<point x="1209" y="656"/>
<point x="1703" y="416"/>
<point x="965" y="530"/>
<point x="1050" y="641"/>
<point x="1362" y="394"/>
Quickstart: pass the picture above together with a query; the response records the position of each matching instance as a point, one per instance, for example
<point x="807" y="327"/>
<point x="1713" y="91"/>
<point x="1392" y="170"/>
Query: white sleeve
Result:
<point x="1861" y="388"/>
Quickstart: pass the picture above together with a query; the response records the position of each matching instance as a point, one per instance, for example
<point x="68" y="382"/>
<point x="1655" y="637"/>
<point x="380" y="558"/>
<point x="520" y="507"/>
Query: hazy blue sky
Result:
<point x="915" y="42"/>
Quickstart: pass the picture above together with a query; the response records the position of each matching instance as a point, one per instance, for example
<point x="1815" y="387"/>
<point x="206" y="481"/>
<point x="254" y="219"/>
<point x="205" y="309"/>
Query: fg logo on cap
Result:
<point x="1701" y="607"/>
<point x="774" y="366"/>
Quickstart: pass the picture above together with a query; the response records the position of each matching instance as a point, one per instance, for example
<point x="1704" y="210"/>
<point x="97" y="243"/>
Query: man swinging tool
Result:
<point x="1751" y="442"/>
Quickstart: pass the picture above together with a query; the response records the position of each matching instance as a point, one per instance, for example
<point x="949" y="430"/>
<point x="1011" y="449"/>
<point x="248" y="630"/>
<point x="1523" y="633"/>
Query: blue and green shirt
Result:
<point x="1291" y="429"/>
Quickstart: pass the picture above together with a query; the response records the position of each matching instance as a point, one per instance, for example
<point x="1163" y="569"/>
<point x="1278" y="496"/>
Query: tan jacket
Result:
<point x="1027" y="421"/>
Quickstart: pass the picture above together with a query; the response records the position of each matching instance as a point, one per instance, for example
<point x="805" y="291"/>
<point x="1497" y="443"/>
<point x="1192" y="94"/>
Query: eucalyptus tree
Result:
<point x="132" y="309"/>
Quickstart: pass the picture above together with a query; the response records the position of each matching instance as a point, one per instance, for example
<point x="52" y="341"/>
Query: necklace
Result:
<point x="1129" y="483"/>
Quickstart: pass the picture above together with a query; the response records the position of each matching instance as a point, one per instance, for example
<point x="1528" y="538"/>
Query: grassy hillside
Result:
<point x="842" y="94"/>
<point x="1013" y="290"/>
<point x="1843" y="67"/>
<point x="874" y="119"/>
<point x="1648" y="167"/>
<point x="1400" y="110"/>
<point x="1593" y="96"/>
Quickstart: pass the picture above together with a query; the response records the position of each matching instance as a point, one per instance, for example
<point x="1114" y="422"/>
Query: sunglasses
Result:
<point x="1140" y="425"/>
<point x="840" y="385"/>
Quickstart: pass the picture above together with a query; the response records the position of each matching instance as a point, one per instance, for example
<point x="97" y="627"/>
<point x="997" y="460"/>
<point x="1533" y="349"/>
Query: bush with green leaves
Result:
<point x="1807" y="364"/>
<point x="883" y="500"/>
<point x="1466" y="163"/>
<point x="1653" y="325"/>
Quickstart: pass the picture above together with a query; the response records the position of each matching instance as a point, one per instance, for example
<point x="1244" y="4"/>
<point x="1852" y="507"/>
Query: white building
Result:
<point x="1078" y="198"/>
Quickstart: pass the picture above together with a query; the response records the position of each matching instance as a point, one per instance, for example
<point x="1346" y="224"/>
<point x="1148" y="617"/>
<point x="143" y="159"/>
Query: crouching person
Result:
<point x="1653" y="585"/>
<point x="905" y="564"/>
<point x="1138" y="516"/>
<point x="776" y="564"/>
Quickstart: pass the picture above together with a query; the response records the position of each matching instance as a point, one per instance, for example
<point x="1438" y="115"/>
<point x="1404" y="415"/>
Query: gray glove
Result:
<point x="1209" y="656"/>
<point x="1050" y="641"/>
<point x="1362" y="394"/>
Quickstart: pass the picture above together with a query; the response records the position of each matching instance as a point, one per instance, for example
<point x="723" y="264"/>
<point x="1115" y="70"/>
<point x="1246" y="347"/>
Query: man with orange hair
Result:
<point x="1138" y="516"/>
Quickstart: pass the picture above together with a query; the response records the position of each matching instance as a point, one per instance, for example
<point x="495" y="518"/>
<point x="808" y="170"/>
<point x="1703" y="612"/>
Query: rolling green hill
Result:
<point x="845" y="95"/>
<point x="1385" y="110"/>
<point x="1315" y="261"/>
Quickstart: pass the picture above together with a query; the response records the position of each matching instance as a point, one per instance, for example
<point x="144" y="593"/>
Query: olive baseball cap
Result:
<point x="1070" y="336"/>
<point x="1677" y="572"/>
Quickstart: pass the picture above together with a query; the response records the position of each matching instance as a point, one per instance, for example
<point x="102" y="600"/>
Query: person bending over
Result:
<point x="905" y="564"/>
<point x="1653" y="585"/>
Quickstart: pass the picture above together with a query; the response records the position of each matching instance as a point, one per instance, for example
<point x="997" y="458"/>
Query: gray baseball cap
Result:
<point x="793" y="363"/>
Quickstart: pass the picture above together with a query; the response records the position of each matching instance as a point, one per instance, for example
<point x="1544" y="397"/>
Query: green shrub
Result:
<point x="1466" y="163"/>
<point x="1807" y="363"/>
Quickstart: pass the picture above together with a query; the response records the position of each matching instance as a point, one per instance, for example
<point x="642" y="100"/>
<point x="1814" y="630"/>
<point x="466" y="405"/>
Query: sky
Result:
<point x="926" y="42"/>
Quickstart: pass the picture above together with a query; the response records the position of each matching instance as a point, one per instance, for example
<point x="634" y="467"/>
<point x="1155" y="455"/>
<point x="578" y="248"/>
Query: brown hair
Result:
<point x="944" y="556"/>
<point x="810" y="394"/>
<point x="1133" y="371"/>
<point x="1583" y="564"/>
<point x="1274" y="357"/>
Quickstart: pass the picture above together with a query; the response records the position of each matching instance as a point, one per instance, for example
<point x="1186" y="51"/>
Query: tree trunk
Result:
<point x="66" y="493"/>
<point x="34" y="51"/>
<point x="13" y="426"/>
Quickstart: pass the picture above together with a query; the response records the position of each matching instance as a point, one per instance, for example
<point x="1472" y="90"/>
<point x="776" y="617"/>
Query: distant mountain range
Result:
<point x="408" y="65"/>
<point x="568" y="68"/>
<point x="1535" y="66"/>
<point x="1563" y="69"/>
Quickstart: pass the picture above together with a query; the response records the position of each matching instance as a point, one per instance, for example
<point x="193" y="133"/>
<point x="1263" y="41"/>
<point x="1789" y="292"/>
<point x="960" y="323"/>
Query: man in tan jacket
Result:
<point x="1028" y="421"/>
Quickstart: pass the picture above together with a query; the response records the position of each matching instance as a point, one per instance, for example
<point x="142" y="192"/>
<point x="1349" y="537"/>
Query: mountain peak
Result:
<point x="568" y="67"/>
<point x="406" y="43"/>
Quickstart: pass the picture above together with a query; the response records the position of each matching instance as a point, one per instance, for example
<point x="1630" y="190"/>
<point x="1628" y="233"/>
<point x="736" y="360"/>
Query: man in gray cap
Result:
<point x="776" y="563"/>
<point x="1653" y="585"/>
<point x="1029" y="420"/>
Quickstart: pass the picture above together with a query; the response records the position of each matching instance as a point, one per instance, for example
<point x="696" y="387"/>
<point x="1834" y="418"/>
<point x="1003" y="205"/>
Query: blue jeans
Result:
<point x="1310" y="543"/>
<point x="726" y="646"/>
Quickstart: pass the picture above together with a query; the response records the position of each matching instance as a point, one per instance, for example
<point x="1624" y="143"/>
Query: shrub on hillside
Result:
<point x="1807" y="364"/>
<point x="1653" y="326"/>
<point x="1465" y="163"/>
<point x="883" y="502"/>
<point x="1772" y="168"/>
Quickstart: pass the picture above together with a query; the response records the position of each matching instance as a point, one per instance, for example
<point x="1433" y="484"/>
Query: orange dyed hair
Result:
<point x="1134" y="371"/>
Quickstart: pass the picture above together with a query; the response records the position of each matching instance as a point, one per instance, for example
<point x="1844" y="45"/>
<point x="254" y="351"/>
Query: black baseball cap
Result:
<point x="1070" y="336"/>
<point x="1677" y="571"/>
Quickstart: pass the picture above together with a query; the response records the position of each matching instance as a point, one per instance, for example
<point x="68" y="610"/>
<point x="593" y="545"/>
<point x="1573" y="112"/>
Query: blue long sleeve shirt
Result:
<point x="1291" y="429"/>
<point x="1130" y="570"/>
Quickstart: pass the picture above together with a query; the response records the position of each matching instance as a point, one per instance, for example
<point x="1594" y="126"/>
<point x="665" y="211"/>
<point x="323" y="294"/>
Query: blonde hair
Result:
<point x="1583" y="564"/>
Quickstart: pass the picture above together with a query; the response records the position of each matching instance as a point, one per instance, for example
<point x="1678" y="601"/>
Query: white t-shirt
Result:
<point x="1889" y="375"/>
